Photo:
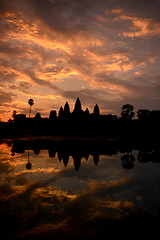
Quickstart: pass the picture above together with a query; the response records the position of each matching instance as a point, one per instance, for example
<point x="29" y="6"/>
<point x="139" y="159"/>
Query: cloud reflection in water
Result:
<point x="51" y="199"/>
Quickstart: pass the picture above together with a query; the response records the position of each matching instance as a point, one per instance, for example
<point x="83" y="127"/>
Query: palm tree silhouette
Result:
<point x="29" y="164"/>
<point x="30" y="102"/>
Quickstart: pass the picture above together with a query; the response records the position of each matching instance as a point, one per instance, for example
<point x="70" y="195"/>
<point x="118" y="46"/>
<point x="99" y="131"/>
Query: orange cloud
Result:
<point x="52" y="60"/>
<point x="141" y="27"/>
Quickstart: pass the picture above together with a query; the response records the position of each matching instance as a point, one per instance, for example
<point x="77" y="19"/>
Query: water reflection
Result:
<point x="29" y="164"/>
<point x="78" y="188"/>
<point x="80" y="149"/>
<point x="127" y="160"/>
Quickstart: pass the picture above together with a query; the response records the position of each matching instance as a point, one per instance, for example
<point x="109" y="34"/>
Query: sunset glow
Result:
<point x="104" y="52"/>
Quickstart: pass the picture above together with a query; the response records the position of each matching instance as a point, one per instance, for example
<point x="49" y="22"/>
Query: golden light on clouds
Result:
<point x="141" y="27"/>
<point x="78" y="51"/>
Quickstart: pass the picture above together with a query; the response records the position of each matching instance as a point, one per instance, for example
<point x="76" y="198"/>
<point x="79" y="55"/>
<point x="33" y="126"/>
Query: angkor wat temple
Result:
<point x="82" y="123"/>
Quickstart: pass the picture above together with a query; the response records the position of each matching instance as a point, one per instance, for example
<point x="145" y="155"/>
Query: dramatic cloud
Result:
<point x="6" y="97"/>
<point x="104" y="52"/>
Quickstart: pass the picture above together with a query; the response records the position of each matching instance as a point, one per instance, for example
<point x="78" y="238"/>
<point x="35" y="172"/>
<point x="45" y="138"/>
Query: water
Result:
<point x="77" y="188"/>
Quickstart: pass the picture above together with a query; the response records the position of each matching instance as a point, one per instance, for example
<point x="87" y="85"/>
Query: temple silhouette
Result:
<point x="81" y="122"/>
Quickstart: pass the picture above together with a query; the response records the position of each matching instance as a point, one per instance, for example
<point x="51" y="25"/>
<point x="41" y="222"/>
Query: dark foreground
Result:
<point x="54" y="187"/>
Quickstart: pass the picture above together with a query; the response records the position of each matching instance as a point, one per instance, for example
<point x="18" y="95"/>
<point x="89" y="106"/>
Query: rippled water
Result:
<point x="70" y="188"/>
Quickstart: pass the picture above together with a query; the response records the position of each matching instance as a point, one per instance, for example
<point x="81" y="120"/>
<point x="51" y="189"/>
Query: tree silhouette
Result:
<point x="14" y="114"/>
<point x="127" y="160"/>
<point x="30" y="102"/>
<point x="127" y="111"/>
<point x="29" y="164"/>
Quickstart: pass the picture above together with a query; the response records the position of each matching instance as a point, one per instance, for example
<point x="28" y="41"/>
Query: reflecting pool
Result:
<point x="62" y="187"/>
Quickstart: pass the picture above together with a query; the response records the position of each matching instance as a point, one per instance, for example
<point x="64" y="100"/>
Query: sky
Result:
<point x="105" y="52"/>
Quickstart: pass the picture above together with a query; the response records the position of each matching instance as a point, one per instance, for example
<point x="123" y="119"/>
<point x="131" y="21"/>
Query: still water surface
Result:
<point x="77" y="188"/>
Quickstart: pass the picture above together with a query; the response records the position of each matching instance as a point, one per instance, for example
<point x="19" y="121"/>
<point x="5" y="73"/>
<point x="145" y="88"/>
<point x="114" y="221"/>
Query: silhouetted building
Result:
<point x="77" y="161"/>
<point x="53" y="115"/>
<point x="61" y="112"/>
<point x="66" y="112"/>
<point x="78" y="107"/>
<point x="86" y="155"/>
<point x="96" y="111"/>
<point x="20" y="120"/>
<point x="52" y="152"/>
<point x="86" y="113"/>
<point x="60" y="155"/>
<point x="78" y="113"/>
<point x="96" y="158"/>
<point x="20" y="116"/>
<point x="65" y="159"/>
<point x="66" y="108"/>
<point x="37" y="116"/>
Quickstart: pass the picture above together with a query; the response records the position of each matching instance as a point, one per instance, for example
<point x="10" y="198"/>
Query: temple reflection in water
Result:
<point x="82" y="149"/>
<point x="76" y="188"/>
